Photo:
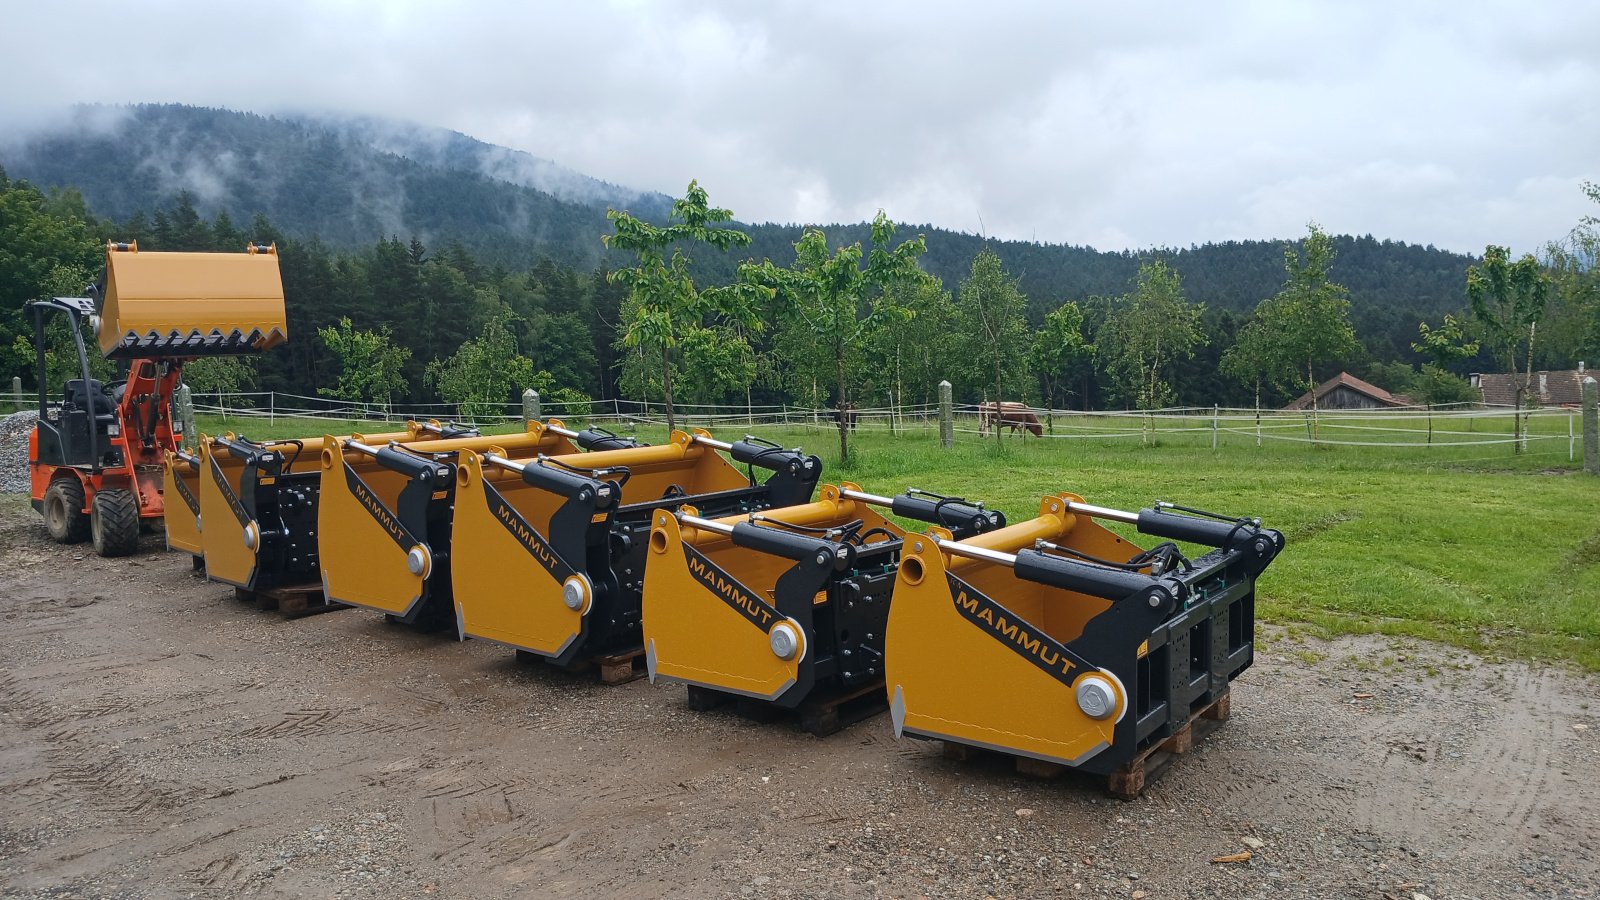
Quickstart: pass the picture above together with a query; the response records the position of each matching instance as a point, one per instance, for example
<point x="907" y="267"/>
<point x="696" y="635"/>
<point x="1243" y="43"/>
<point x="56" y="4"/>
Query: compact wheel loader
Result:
<point x="384" y="517"/>
<point x="787" y="606"/>
<point x="550" y="555"/>
<point x="1057" y="640"/>
<point x="261" y="499"/>
<point x="97" y="457"/>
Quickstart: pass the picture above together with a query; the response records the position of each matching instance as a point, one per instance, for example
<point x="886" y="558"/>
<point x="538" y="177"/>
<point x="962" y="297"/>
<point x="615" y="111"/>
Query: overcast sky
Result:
<point x="1114" y="125"/>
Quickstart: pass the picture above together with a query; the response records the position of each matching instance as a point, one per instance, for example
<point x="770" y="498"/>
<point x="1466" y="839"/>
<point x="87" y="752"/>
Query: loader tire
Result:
<point x="63" y="512"/>
<point x="114" y="521"/>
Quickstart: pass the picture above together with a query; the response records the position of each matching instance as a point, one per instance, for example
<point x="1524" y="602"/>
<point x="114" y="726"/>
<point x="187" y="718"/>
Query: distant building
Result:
<point x="1564" y="388"/>
<point x="1345" y="391"/>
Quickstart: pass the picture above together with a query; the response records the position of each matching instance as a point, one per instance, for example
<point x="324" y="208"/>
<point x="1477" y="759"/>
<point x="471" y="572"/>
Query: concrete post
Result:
<point x="530" y="406"/>
<point x="947" y="416"/>
<point x="1591" y="426"/>
<point x="183" y="399"/>
<point x="16" y="390"/>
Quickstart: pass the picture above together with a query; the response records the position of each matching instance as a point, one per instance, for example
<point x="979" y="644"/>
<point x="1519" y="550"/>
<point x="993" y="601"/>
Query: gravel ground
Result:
<point x="14" y="450"/>
<point x="160" y="739"/>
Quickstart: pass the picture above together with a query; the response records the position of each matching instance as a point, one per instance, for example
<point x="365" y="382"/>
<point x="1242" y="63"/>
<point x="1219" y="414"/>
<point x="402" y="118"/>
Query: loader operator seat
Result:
<point x="93" y="399"/>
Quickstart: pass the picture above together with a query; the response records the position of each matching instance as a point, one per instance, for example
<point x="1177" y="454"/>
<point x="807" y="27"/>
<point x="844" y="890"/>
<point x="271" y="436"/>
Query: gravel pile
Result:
<point x="14" y="450"/>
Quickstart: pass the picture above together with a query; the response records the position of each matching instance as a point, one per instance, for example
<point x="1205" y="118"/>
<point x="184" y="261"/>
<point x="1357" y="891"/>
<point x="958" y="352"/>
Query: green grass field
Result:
<point x="1469" y="544"/>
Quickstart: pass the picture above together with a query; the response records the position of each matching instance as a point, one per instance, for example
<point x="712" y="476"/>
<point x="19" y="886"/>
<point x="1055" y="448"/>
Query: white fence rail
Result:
<point x="1445" y="426"/>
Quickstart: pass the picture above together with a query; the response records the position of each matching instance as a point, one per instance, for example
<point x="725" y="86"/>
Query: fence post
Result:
<point x="272" y="407"/>
<point x="947" y="416"/>
<point x="530" y="405"/>
<point x="16" y="390"/>
<point x="1591" y="426"/>
<point x="1215" y="408"/>
<point x="183" y="399"/>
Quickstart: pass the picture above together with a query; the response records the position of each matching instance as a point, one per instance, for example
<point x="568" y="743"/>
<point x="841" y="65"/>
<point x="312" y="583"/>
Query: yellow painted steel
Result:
<point x="361" y="543"/>
<point x="697" y="634"/>
<point x="950" y="678"/>
<point x="502" y="591"/>
<point x="182" y="495"/>
<point x="227" y="558"/>
<point x="176" y="296"/>
<point x="223" y="521"/>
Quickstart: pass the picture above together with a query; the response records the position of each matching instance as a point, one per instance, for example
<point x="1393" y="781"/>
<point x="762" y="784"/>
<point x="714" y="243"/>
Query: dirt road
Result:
<point x="159" y="739"/>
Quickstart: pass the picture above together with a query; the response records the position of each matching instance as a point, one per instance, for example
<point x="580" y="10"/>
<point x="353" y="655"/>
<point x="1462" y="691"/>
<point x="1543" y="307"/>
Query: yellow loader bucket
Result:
<point x="787" y="606"/>
<point x="1058" y="640"/>
<point x="182" y="470"/>
<point x="184" y="305"/>
<point x="261" y="500"/>
<point x="384" y="519"/>
<point x="549" y="557"/>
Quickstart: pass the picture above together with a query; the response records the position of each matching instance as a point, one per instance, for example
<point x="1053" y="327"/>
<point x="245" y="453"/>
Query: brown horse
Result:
<point x="1007" y="414"/>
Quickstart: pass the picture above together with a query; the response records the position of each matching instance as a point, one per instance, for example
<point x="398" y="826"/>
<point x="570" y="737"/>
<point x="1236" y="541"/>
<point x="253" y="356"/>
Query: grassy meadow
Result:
<point x="1469" y="544"/>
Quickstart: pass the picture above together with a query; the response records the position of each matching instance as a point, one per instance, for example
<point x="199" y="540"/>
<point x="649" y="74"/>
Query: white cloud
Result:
<point x="1458" y="124"/>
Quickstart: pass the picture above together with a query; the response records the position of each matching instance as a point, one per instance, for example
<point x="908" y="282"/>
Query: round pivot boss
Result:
<point x="784" y="640"/>
<point x="250" y="536"/>
<point x="575" y="592"/>
<point x="1096" y="697"/>
<point x="417" y="561"/>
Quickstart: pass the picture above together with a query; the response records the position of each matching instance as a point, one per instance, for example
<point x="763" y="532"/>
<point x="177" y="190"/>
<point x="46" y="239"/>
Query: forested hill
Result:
<point x="348" y="181"/>
<point x="352" y="181"/>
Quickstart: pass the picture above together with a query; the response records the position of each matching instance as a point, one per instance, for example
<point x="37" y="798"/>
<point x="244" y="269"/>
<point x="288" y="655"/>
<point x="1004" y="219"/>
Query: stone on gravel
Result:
<point x="14" y="450"/>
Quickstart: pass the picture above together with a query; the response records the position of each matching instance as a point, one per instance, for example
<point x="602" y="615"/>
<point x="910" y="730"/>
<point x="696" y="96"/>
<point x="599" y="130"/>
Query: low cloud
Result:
<point x="1446" y="123"/>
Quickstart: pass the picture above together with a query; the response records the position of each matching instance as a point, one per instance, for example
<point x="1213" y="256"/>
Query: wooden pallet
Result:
<point x="1132" y="777"/>
<point x="621" y="668"/>
<point x="617" y="668"/>
<point x="294" y="601"/>
<point x="821" y="717"/>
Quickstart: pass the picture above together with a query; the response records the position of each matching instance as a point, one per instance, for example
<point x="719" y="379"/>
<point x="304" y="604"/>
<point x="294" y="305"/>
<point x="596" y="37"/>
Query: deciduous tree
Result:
<point x="834" y="301"/>
<point x="994" y="327"/>
<point x="664" y="303"/>
<point x="1059" y="354"/>
<point x="1152" y="327"/>
<point x="1508" y="299"/>
<point x="370" y="364"/>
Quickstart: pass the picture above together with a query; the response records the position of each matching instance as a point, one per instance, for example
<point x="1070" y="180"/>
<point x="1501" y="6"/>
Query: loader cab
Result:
<point x="78" y="429"/>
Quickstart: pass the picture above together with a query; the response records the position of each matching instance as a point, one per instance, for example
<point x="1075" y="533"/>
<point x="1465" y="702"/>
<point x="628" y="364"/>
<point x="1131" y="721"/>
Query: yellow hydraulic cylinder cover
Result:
<point x="182" y="305"/>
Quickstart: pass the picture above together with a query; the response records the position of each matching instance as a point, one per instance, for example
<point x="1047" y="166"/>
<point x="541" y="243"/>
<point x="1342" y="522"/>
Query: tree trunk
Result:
<point x="1311" y="380"/>
<point x="844" y="406"/>
<point x="666" y="388"/>
<point x="999" y="416"/>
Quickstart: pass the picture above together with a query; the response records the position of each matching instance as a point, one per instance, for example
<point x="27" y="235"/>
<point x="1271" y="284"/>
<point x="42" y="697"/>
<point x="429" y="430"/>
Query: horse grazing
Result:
<point x="846" y="416"/>
<point x="1007" y="414"/>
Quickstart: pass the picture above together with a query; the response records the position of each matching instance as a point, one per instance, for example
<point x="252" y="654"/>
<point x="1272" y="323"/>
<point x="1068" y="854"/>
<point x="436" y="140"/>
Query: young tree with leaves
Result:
<point x="995" y="328"/>
<point x="665" y="305"/>
<point x="486" y="372"/>
<point x="370" y="365"/>
<point x="1059" y="354"/>
<point x="1508" y="299"/>
<point x="835" y="301"/>
<point x="1153" y="326"/>
<point x="1308" y="322"/>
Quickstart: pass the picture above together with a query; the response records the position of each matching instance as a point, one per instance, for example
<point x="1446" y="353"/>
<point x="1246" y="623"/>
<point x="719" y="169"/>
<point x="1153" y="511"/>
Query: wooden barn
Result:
<point x="1562" y="388"/>
<point x="1345" y="391"/>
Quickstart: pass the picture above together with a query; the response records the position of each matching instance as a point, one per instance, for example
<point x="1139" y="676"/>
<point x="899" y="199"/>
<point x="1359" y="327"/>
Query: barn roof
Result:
<point x="1345" y="379"/>
<point x="1560" y="388"/>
